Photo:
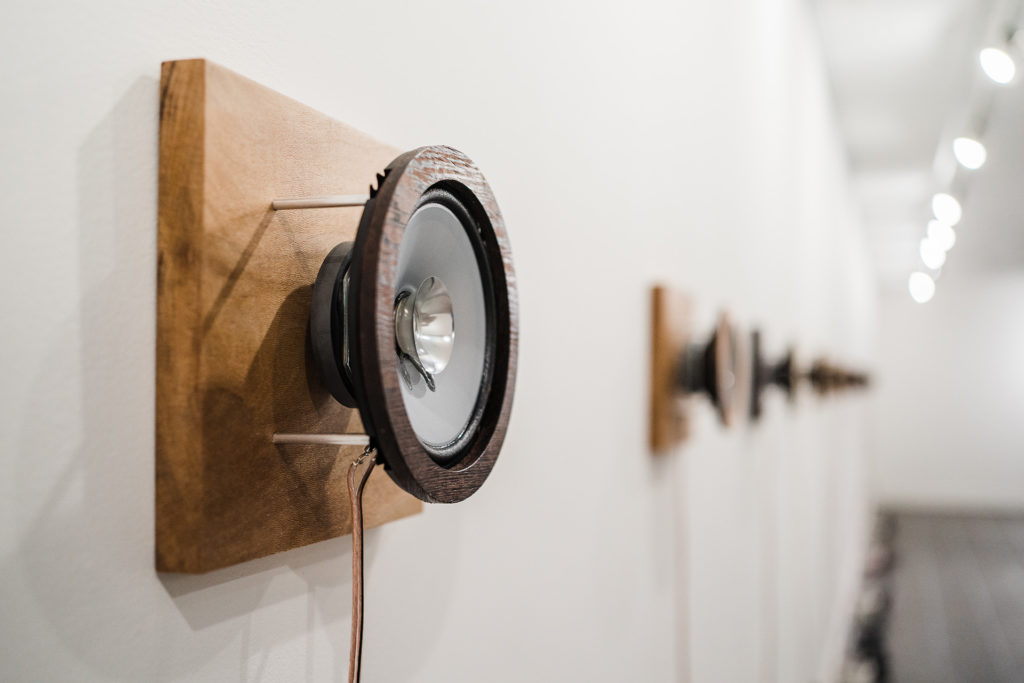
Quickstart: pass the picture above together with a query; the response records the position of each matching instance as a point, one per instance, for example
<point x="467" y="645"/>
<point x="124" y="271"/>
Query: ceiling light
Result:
<point x="997" y="65"/>
<point x="932" y="254"/>
<point x="941" y="235"/>
<point x="946" y="208"/>
<point x="921" y="286"/>
<point x="969" y="152"/>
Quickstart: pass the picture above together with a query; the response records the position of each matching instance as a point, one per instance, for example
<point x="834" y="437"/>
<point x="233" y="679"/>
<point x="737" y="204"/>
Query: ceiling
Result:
<point x="906" y="81"/>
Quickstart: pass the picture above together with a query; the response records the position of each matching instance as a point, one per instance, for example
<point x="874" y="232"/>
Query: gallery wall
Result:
<point x="949" y="394"/>
<point x="628" y="143"/>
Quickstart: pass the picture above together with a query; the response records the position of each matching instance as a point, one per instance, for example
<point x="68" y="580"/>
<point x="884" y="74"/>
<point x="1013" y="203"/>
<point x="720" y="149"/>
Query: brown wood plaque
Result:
<point x="670" y="333"/>
<point x="233" y="294"/>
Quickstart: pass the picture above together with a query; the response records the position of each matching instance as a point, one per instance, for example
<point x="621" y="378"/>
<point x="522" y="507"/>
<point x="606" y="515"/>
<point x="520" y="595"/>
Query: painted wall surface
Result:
<point x="683" y="142"/>
<point x="951" y="387"/>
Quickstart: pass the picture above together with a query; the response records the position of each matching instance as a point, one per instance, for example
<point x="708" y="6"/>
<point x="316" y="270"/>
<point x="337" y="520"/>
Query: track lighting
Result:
<point x="941" y="235"/>
<point x="946" y="208"/>
<point x="932" y="255"/>
<point x="997" y="65"/>
<point x="970" y="153"/>
<point x="921" y="286"/>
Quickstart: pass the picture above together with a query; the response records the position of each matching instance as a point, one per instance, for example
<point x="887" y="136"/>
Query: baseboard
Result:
<point x="969" y="508"/>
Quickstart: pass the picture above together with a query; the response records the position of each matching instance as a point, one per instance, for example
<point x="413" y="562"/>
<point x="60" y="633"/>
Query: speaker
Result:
<point x="827" y="377"/>
<point x="415" y="324"/>
<point x="782" y="373"/>
<point x="711" y="369"/>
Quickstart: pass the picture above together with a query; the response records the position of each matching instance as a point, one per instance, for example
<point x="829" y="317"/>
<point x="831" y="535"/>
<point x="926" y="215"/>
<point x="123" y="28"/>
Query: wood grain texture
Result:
<point x="373" y="281"/>
<point x="670" y="333"/>
<point x="233" y="294"/>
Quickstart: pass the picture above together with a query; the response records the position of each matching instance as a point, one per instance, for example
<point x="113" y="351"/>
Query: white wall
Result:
<point x="951" y="387"/>
<point x="691" y="143"/>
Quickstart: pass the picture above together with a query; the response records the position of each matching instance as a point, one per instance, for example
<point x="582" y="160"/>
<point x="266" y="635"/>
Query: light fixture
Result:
<point x="414" y="323"/>
<point x="997" y="65"/>
<point x="969" y="152"/>
<point x="921" y="287"/>
<point x="932" y="255"/>
<point x="946" y="208"/>
<point x="941" y="235"/>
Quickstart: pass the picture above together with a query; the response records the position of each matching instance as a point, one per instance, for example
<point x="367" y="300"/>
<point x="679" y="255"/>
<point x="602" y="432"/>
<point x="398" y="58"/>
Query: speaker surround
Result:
<point x="415" y="323"/>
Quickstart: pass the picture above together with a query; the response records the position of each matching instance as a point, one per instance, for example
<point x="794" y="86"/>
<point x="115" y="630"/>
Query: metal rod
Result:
<point x="328" y="202"/>
<point x="325" y="439"/>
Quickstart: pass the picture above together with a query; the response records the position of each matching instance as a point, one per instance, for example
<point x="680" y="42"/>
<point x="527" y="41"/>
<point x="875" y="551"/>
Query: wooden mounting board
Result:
<point x="233" y="295"/>
<point x="670" y="333"/>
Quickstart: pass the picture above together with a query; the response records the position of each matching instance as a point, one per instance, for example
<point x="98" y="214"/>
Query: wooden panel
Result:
<point x="670" y="332"/>
<point x="233" y="294"/>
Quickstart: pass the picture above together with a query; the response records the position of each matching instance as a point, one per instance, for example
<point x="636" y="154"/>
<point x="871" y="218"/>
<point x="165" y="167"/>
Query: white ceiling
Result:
<point x="906" y="81"/>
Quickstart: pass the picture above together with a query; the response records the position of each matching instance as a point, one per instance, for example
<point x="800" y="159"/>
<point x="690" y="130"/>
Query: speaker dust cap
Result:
<point x="432" y="307"/>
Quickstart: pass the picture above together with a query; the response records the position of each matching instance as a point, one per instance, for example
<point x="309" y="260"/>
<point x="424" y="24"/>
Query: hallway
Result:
<point x="958" y="599"/>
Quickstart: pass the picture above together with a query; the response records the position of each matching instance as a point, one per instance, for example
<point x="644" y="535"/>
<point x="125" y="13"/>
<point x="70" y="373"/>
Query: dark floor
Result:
<point x="958" y="599"/>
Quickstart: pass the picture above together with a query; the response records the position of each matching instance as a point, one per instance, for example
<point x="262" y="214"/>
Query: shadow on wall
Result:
<point x="87" y="559"/>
